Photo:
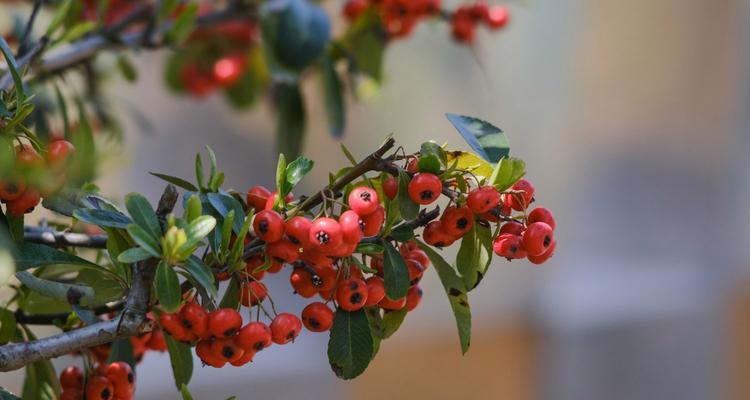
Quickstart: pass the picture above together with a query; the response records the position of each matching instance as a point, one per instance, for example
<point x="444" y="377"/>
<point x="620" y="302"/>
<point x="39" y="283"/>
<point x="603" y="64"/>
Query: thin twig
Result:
<point x="63" y="239"/>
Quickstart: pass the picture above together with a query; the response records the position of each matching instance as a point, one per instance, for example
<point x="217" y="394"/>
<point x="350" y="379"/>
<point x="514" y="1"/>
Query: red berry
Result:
<point x="420" y="256"/>
<point x="71" y="378"/>
<point x="99" y="388"/>
<point x="228" y="70"/>
<point x="541" y="214"/>
<point x="226" y="349"/>
<point x="537" y="238"/>
<point x="457" y="221"/>
<point x="12" y="190"/>
<point x="415" y="271"/>
<point x="24" y="203"/>
<point x="121" y="375"/>
<point x="392" y="305"/>
<point x="425" y="188"/>
<point x="314" y="256"/>
<point x="268" y="226"/>
<point x="157" y="342"/>
<point x="413" y="165"/>
<point x="317" y="317"/>
<point x="325" y="234"/>
<point x="363" y="200"/>
<point x="204" y="352"/>
<point x="71" y="394"/>
<point x="302" y="282"/>
<point x="194" y="318"/>
<point x="285" y="328"/>
<point x="257" y="196"/>
<point x="297" y="230"/>
<point x="413" y="297"/>
<point x="351" y="294"/>
<point x="463" y="29"/>
<point x="373" y="222"/>
<point x="224" y="322"/>
<point x="254" y="337"/>
<point x="283" y="251"/>
<point x="519" y="202"/>
<point x="509" y="246"/>
<point x="376" y="263"/>
<point x="512" y="227"/>
<point x="390" y="187"/>
<point x="544" y="256"/>
<point x="351" y="226"/>
<point x="196" y="81"/>
<point x="375" y="290"/>
<point x="497" y="17"/>
<point x="325" y="277"/>
<point x="253" y="293"/>
<point x="58" y="153"/>
<point x="483" y="199"/>
<point x="354" y="8"/>
<point x="435" y="235"/>
<point x="247" y="356"/>
<point x="271" y="201"/>
<point x="172" y="323"/>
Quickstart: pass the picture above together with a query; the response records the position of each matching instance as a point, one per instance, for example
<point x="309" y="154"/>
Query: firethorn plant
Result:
<point x="242" y="50"/>
<point x="141" y="279"/>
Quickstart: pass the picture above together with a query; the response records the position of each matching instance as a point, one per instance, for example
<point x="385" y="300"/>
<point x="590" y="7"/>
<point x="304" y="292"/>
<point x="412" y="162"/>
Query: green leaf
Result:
<point x="199" y="171"/>
<point x="507" y="172"/>
<point x="295" y="171"/>
<point x="486" y="139"/>
<point x="167" y="288"/>
<point x="167" y="7"/>
<point x="30" y="255"/>
<point x="122" y="350"/>
<point x="181" y="359"/>
<point x="291" y="119"/>
<point x="348" y="154"/>
<point x="106" y="289"/>
<point x="103" y="218"/>
<point x="143" y="214"/>
<point x="77" y="31"/>
<point x="473" y="257"/>
<point x="350" y="345"/>
<point x="144" y="240"/>
<point x="183" y="26"/>
<point x="395" y="273"/>
<point x="456" y="291"/>
<point x="7" y="326"/>
<point x="126" y="68"/>
<point x="193" y="208"/>
<point x="223" y="203"/>
<point x="185" y="392"/>
<point x="59" y="17"/>
<point x="431" y="157"/>
<point x="281" y="173"/>
<point x="200" y="228"/>
<point x="392" y="320"/>
<point x="179" y="182"/>
<point x="402" y="233"/>
<point x="133" y="255"/>
<point x="231" y="296"/>
<point x="13" y="68"/>
<point x="408" y="208"/>
<point x="334" y="97"/>
<point x="201" y="273"/>
<point x="364" y="43"/>
<point x="369" y="248"/>
<point x="6" y="395"/>
<point x="66" y="292"/>
<point x="83" y="162"/>
<point x="226" y="232"/>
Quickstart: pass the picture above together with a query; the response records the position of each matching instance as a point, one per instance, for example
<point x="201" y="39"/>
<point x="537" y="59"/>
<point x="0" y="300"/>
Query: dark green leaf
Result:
<point x="7" y="326"/>
<point x="350" y="346"/>
<point x="31" y="255"/>
<point x="181" y="359"/>
<point x="83" y="161"/>
<point x="402" y="233"/>
<point x="103" y="218"/>
<point x="223" y="203"/>
<point x="60" y="14"/>
<point x="66" y="292"/>
<point x="456" y="291"/>
<point x="199" y="171"/>
<point x="291" y="119"/>
<point x="395" y="273"/>
<point x="231" y="296"/>
<point x="201" y="273"/>
<point x="87" y="316"/>
<point x="179" y="182"/>
<point x="472" y="257"/>
<point x="13" y="68"/>
<point x="364" y="43"/>
<point x="144" y="240"/>
<point x="392" y="320"/>
<point x="126" y="68"/>
<point x="143" y="214"/>
<point x="183" y="26"/>
<point x="334" y="97"/>
<point x="105" y="288"/>
<point x="133" y="255"/>
<point x="486" y="139"/>
<point x="167" y="288"/>
<point x="408" y="208"/>
<point x="122" y="350"/>
<point x="369" y="248"/>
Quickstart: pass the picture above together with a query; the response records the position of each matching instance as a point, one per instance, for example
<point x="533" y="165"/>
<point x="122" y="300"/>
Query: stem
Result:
<point x="132" y="321"/>
<point x="29" y="27"/>
<point x="63" y="239"/>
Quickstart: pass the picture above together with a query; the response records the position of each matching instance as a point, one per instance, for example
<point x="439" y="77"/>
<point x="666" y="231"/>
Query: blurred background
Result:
<point x="631" y="116"/>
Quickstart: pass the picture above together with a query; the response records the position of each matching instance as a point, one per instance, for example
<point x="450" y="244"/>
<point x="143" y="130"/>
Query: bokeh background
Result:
<point x="632" y="117"/>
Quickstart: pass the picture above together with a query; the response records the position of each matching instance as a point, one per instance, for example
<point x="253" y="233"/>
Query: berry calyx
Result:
<point x="325" y="234"/>
<point x="363" y="200"/>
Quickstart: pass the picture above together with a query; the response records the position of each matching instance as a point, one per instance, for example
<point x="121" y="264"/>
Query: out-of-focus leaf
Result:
<point x="183" y="26"/>
<point x="291" y="119"/>
<point x="333" y="91"/>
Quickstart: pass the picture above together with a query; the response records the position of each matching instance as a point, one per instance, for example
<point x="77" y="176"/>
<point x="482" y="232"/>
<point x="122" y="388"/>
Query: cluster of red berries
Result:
<point x="218" y="57"/>
<point x="24" y="189"/>
<point x="221" y="337"/>
<point x="400" y="17"/>
<point x="114" y="381"/>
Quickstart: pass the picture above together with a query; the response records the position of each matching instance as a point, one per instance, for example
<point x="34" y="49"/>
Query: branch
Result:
<point x="129" y="323"/>
<point x="63" y="239"/>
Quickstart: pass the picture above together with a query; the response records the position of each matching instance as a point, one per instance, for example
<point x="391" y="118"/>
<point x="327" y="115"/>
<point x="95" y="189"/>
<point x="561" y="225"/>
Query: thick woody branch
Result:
<point x="130" y="322"/>
<point x="63" y="239"/>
